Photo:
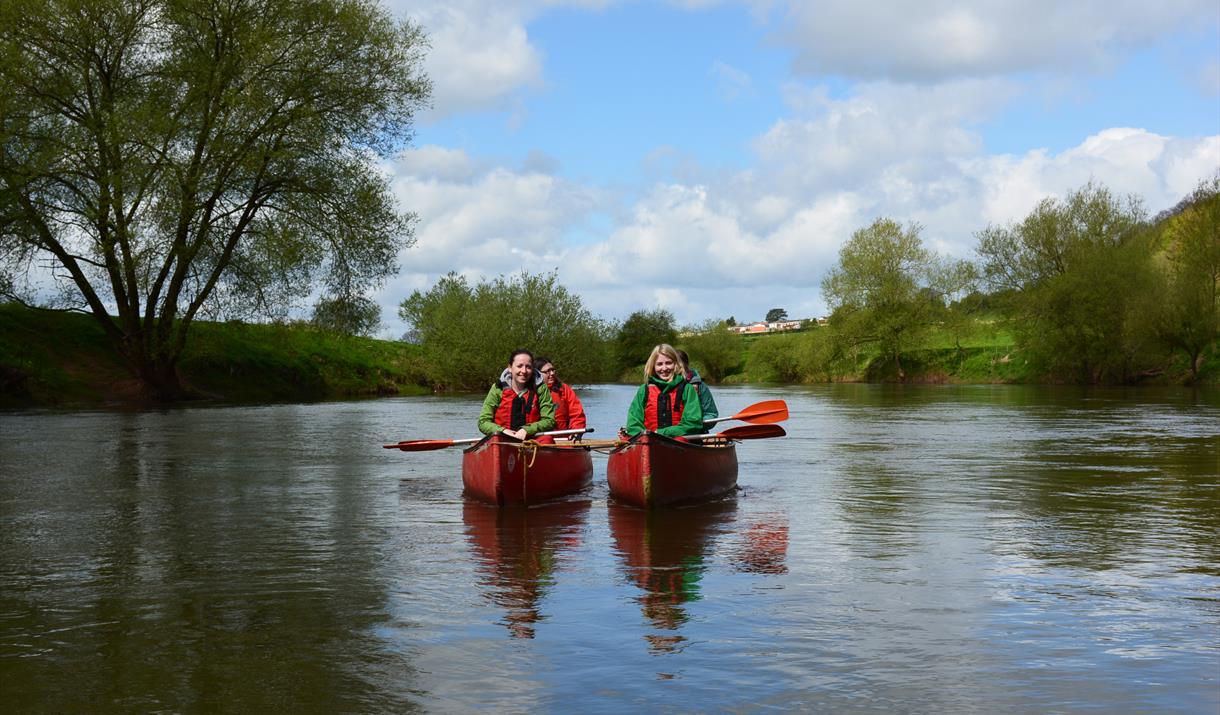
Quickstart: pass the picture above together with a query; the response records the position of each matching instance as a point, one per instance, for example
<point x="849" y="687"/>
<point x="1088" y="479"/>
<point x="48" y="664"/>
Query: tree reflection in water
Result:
<point x="663" y="552"/>
<point x="518" y="550"/>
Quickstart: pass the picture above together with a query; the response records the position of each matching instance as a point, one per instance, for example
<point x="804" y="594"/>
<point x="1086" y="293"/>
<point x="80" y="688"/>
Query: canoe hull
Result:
<point x="652" y="471"/>
<point x="499" y="470"/>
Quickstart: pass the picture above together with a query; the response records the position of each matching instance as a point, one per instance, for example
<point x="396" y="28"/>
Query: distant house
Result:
<point x="765" y="327"/>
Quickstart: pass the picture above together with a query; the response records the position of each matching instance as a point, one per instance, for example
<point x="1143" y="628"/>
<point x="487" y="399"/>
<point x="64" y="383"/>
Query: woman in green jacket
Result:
<point x="519" y="404"/>
<point x="666" y="403"/>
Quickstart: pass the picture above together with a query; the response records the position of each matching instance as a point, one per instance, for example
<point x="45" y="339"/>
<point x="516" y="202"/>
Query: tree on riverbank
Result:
<point x="468" y="331"/>
<point x="888" y="290"/>
<point x="639" y="334"/>
<point x="174" y="159"/>
<point x="1079" y="282"/>
<point x="1187" y="319"/>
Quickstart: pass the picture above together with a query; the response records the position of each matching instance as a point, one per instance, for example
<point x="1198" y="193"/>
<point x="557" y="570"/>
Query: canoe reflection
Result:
<point x="664" y="552"/>
<point x="518" y="549"/>
<point x="763" y="548"/>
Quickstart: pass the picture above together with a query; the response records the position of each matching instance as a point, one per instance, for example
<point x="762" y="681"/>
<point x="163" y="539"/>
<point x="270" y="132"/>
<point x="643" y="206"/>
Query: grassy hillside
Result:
<point x="984" y="352"/>
<point x="58" y="358"/>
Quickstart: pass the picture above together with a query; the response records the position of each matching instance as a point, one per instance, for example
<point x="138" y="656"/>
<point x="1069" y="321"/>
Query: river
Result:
<point x="959" y="549"/>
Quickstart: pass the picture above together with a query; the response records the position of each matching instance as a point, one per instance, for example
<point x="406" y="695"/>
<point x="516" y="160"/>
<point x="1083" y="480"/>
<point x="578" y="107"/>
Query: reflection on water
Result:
<point x="763" y="547"/>
<point x="664" y="553"/>
<point x="957" y="549"/>
<point x="518" y="549"/>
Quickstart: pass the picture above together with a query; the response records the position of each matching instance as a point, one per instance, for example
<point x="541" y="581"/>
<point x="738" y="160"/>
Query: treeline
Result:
<point x="1088" y="289"/>
<point x="1085" y="289"/>
<point x="466" y="331"/>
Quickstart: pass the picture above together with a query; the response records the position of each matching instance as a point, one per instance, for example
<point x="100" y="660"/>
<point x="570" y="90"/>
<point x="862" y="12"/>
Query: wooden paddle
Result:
<point x="759" y="413"/>
<point x="744" y="432"/>
<point x="424" y="445"/>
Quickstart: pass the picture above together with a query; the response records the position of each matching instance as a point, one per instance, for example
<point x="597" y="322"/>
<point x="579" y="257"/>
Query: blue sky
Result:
<point x="711" y="157"/>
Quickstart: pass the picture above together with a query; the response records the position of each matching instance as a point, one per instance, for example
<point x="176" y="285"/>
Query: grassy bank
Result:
<point x="65" y="359"/>
<point x="59" y="358"/>
<point x="983" y="353"/>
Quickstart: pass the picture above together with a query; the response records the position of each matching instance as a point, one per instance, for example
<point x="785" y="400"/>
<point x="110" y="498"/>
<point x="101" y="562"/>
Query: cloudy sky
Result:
<point x="711" y="157"/>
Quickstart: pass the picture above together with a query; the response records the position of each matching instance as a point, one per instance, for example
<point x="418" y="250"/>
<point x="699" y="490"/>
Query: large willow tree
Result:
<point x="166" y="159"/>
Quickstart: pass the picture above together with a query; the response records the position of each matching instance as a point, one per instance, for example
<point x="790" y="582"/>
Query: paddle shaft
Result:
<point x="429" y="444"/>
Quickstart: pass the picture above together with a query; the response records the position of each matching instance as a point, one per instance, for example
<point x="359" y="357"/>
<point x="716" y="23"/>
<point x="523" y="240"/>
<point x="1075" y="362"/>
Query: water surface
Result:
<point x="953" y="549"/>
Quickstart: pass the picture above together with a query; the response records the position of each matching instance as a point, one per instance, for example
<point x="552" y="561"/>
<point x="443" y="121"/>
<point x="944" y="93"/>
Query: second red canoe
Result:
<point x="651" y="470"/>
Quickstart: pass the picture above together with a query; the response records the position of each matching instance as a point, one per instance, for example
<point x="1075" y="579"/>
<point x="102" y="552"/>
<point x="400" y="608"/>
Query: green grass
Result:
<point x="50" y="357"/>
<point x="64" y="358"/>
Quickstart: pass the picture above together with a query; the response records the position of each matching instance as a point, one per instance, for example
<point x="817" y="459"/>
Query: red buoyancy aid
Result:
<point x="569" y="413"/>
<point x="663" y="411"/>
<point x="516" y="411"/>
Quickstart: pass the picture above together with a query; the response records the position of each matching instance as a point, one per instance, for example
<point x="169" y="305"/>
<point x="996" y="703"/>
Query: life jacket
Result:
<point x="516" y="411"/>
<point x="663" y="410"/>
<point x="561" y="405"/>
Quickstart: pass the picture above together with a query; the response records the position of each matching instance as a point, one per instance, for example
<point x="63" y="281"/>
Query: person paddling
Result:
<point x="710" y="412"/>
<point x="666" y="403"/>
<point x="569" y="412"/>
<point x="519" y="405"/>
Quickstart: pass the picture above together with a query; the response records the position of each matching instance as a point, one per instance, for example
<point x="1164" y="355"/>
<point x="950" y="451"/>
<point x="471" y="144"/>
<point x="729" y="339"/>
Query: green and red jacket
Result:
<point x="684" y="408"/>
<point x="536" y="403"/>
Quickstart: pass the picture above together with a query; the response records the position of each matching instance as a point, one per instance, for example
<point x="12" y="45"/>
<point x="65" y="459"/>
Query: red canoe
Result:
<point x="502" y="470"/>
<point x="652" y="470"/>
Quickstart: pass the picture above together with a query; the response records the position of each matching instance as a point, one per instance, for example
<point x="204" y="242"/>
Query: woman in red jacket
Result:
<point x="569" y="413"/>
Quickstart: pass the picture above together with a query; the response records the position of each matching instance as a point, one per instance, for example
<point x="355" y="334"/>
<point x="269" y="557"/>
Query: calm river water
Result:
<point x="982" y="549"/>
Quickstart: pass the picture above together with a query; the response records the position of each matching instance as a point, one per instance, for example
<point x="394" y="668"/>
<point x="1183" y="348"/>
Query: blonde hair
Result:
<point x="663" y="349"/>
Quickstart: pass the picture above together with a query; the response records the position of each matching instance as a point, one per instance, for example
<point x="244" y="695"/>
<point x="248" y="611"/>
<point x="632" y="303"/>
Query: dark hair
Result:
<point x="684" y="358"/>
<point x="519" y="351"/>
<point x="540" y="360"/>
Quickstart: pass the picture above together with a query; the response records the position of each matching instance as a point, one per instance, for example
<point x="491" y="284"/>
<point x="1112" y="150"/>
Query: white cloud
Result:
<point x="731" y="82"/>
<point x="941" y="39"/>
<point x="480" y="54"/>
<point x="840" y="142"/>
<point x="1129" y="161"/>
<point x="436" y="162"/>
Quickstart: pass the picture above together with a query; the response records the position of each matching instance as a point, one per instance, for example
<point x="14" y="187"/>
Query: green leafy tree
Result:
<point x="776" y="314"/>
<point x="1187" y="315"/>
<point x="467" y="331"/>
<point x="1076" y="270"/>
<point x="640" y="333"/>
<point x="350" y="316"/>
<point x="780" y="357"/>
<point x="171" y="159"/>
<point x="888" y="290"/>
<point x="714" y="351"/>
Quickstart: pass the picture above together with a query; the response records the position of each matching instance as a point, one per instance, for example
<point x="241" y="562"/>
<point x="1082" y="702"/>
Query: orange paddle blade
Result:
<point x="767" y="412"/>
<point x="752" y="432"/>
<point x="421" y="445"/>
<point x="759" y="413"/>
